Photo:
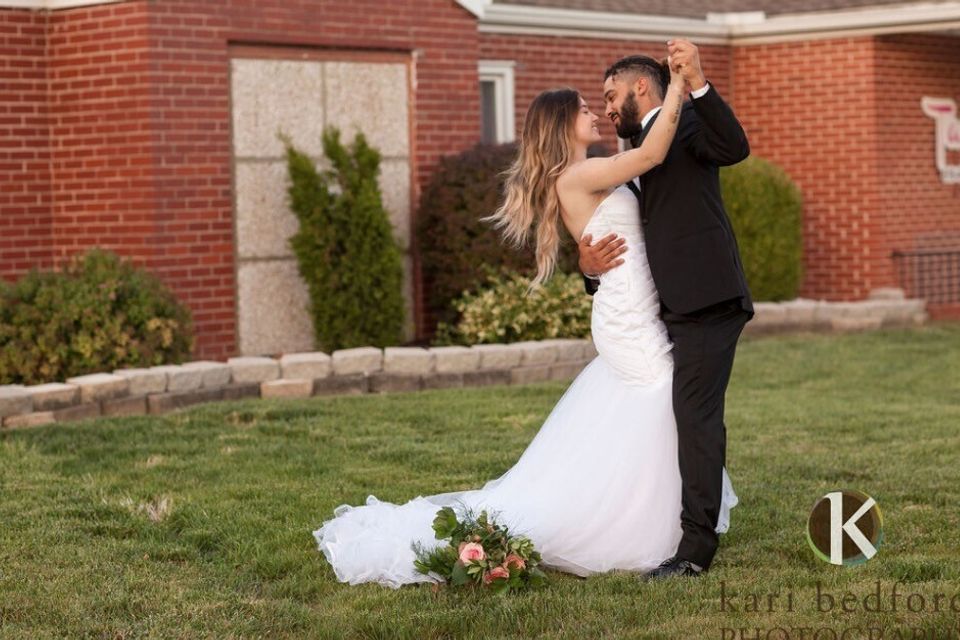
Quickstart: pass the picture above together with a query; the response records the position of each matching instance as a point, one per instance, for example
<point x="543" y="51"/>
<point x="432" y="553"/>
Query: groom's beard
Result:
<point x="628" y="123"/>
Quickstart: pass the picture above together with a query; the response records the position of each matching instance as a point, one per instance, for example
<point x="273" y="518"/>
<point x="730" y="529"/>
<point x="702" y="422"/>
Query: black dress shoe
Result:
<point x="674" y="567"/>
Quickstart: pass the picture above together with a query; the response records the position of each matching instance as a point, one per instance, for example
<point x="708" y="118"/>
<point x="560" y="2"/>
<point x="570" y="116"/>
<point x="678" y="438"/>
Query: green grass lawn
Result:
<point x="198" y="524"/>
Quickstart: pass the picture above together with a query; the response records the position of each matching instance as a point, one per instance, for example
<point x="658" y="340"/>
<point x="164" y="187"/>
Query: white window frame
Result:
<point x="500" y="73"/>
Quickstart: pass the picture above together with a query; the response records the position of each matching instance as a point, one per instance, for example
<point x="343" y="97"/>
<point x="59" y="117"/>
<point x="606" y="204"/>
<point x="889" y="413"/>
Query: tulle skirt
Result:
<point x="597" y="489"/>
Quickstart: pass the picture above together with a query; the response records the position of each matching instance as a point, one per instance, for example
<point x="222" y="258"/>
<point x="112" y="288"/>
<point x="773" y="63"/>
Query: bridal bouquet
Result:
<point x="480" y="552"/>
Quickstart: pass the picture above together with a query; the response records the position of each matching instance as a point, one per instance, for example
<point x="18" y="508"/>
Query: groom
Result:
<point x="696" y="267"/>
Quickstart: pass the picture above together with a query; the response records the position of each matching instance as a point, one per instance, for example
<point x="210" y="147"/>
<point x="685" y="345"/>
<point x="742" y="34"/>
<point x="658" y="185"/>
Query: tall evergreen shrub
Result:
<point x="345" y="247"/>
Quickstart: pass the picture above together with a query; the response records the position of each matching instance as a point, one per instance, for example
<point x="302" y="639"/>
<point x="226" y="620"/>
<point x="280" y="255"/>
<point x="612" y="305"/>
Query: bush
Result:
<point x="100" y="313"/>
<point x="345" y="247"/>
<point x="502" y="312"/>
<point x="451" y="240"/>
<point x="765" y="208"/>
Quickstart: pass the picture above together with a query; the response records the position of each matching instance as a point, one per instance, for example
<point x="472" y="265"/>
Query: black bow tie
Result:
<point x="637" y="139"/>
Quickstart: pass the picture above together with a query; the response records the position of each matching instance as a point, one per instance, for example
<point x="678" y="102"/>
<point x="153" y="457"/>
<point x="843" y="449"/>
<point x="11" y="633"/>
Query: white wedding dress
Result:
<point x="598" y="487"/>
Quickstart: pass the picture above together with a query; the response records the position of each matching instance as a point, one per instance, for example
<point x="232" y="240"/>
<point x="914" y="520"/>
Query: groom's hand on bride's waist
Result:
<point x="599" y="258"/>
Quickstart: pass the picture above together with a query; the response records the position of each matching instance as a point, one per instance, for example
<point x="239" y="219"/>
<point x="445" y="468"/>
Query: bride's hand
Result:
<point x="676" y="75"/>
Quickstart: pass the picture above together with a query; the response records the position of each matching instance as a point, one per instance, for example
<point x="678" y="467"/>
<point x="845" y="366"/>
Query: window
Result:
<point x="496" y="101"/>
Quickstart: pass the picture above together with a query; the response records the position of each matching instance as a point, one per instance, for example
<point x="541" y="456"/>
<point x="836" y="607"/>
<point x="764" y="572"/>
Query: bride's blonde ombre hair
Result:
<point x="530" y="195"/>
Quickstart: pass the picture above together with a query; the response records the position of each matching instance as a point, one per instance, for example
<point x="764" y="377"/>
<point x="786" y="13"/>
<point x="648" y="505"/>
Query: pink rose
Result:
<point x="514" y="560"/>
<point x="471" y="552"/>
<point x="493" y="574"/>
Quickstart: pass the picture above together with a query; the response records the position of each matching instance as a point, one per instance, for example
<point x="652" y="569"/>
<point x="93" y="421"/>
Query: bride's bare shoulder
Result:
<point x="568" y="191"/>
<point x="572" y="175"/>
<point x="577" y="203"/>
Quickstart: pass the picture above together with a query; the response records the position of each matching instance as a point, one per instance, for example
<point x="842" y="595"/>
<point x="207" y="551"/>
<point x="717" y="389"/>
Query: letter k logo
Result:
<point x="845" y="528"/>
<point x="838" y="526"/>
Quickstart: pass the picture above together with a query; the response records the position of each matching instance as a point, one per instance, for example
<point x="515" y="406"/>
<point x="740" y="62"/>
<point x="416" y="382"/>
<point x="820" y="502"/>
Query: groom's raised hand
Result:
<point x="602" y="256"/>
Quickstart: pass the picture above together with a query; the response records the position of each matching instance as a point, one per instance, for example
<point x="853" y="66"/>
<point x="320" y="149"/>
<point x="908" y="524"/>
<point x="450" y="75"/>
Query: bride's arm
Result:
<point x="602" y="174"/>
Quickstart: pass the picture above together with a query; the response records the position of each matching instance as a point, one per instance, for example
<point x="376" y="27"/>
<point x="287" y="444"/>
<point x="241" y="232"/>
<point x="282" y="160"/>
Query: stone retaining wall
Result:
<point x="161" y="389"/>
<point x="165" y="388"/>
<point x="885" y="308"/>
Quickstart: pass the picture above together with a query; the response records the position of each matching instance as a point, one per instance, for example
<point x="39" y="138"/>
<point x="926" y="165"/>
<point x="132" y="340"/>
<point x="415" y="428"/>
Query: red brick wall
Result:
<point x="24" y="143"/>
<point x="917" y="210"/>
<point x="140" y="123"/>
<point x="843" y="118"/>
<point x="808" y="107"/>
<point x="549" y="62"/>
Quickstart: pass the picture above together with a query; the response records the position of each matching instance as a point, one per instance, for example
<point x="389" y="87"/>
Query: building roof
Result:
<point x="699" y="10"/>
<point x="719" y="22"/>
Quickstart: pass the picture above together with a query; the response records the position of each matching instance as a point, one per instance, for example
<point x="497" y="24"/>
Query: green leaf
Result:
<point x="500" y="586"/>
<point x="445" y="523"/>
<point x="459" y="575"/>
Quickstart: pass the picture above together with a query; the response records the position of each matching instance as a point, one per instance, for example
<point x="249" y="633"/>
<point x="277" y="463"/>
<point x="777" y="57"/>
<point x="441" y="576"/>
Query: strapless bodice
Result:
<point x="625" y="323"/>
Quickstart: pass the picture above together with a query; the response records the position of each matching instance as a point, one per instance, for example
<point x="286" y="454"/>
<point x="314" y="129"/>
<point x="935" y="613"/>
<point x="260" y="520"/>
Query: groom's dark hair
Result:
<point x="656" y="71"/>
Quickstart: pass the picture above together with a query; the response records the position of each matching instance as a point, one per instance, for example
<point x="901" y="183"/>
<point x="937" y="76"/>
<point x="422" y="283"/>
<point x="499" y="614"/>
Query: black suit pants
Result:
<point x="704" y="343"/>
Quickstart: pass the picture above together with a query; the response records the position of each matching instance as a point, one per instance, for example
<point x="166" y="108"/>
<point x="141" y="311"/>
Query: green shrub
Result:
<point x="765" y="208"/>
<point x="501" y="311"/>
<point x="345" y="247"/>
<point x="452" y="242"/>
<point x="98" y="314"/>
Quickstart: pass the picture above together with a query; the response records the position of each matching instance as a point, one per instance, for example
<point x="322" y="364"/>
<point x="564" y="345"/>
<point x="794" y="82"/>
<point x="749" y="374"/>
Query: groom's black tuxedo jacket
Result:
<point x="690" y="244"/>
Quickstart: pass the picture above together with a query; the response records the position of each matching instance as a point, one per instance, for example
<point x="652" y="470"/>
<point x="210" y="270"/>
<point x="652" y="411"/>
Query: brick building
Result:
<point x="149" y="127"/>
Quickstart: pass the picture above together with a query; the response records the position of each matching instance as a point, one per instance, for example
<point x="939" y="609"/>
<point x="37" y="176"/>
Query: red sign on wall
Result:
<point x="944" y="113"/>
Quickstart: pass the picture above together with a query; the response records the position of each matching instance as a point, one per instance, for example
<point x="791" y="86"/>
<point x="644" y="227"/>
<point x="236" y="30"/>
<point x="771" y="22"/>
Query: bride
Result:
<point x="598" y="488"/>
